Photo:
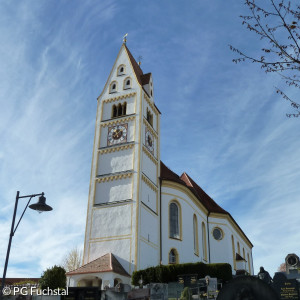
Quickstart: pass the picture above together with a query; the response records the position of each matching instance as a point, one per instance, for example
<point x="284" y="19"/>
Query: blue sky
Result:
<point x="221" y="123"/>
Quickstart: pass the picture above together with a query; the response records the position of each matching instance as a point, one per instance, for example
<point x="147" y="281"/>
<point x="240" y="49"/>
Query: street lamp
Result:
<point x="40" y="206"/>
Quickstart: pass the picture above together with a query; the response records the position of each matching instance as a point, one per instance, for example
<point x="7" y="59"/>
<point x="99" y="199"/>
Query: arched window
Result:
<point x="114" y="112"/>
<point x="195" y="231"/>
<point x="119" y="110"/>
<point x="121" y="70"/>
<point x="117" y="281"/>
<point x="113" y="87"/>
<point x="127" y="83"/>
<point x="233" y="252"/>
<point x="174" y="214"/>
<point x="249" y="268"/>
<point x="173" y="256"/>
<point x="124" y="107"/>
<point x="239" y="249"/>
<point x="204" y="248"/>
<point x="149" y="117"/>
<point x="244" y="253"/>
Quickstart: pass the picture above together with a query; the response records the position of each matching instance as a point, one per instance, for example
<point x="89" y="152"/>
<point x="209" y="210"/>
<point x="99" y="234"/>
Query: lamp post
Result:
<point x="40" y="206"/>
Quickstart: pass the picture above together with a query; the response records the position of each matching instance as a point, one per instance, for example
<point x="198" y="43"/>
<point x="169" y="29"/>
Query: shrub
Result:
<point x="169" y="273"/>
<point x="53" y="278"/>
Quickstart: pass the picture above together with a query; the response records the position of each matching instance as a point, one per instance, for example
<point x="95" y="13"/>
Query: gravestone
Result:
<point x="286" y="289"/>
<point x="175" y="289"/>
<point x="139" y="294"/>
<point x="212" y="286"/>
<point x="158" y="291"/>
<point x="83" y="293"/>
<point x="113" y="295"/>
<point x="247" y="287"/>
<point x="188" y="280"/>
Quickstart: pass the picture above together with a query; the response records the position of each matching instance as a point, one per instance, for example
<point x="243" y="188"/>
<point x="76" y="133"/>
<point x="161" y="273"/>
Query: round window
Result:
<point x="218" y="234"/>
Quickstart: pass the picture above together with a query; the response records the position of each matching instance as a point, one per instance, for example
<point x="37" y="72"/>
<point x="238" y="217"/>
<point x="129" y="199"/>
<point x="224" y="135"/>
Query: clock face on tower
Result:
<point x="117" y="134"/>
<point x="150" y="141"/>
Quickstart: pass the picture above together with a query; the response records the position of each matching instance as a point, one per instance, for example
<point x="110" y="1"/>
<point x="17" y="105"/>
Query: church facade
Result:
<point x="140" y="213"/>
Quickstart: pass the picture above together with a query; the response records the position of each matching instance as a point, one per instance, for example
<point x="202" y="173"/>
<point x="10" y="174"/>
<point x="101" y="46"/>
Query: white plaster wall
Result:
<point x="149" y="225"/>
<point x="149" y="168"/>
<point x="220" y="250"/>
<point x="149" y="256"/>
<point x="184" y="247"/>
<point x="104" y="133"/>
<point x="117" y="161"/>
<point x="149" y="197"/>
<point x="115" y="190"/>
<point x="112" y="221"/>
<point x="107" y="106"/>
<point x="121" y="247"/>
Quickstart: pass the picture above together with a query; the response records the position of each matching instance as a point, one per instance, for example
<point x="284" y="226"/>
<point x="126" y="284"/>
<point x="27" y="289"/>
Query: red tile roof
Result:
<point x="141" y="77"/>
<point x="105" y="263"/>
<point x="138" y="71"/>
<point x="188" y="182"/>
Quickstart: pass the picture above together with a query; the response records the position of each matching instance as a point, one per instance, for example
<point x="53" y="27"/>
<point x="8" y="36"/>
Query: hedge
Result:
<point x="169" y="273"/>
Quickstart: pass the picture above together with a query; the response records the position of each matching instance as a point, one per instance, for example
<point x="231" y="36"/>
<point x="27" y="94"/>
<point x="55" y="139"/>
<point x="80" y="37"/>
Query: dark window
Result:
<point x="149" y="117"/>
<point x="172" y="256"/>
<point x="174" y="220"/>
<point x="113" y="87"/>
<point x="118" y="111"/>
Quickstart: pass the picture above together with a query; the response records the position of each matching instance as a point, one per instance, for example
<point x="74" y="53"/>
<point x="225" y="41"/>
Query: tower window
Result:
<point x="173" y="256"/>
<point x="121" y="70"/>
<point x="127" y="83"/>
<point x="149" y="117"/>
<point x="119" y="110"/>
<point x="174" y="214"/>
<point x="113" y="87"/>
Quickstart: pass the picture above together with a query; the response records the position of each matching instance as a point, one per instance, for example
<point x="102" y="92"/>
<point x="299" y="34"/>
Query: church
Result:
<point x="140" y="213"/>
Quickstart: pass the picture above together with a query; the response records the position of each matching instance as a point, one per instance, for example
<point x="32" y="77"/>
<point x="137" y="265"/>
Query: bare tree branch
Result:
<point x="276" y="22"/>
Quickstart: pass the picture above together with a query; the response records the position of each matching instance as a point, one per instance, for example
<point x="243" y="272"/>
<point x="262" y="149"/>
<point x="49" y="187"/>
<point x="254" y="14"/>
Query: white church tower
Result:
<point x="140" y="213"/>
<point x="124" y="185"/>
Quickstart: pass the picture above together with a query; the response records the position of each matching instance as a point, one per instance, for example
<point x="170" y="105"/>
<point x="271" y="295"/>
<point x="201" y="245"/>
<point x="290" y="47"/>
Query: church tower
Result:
<point x="123" y="214"/>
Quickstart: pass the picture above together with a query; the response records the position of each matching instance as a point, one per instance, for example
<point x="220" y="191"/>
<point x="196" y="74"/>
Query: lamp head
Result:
<point x="41" y="205"/>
